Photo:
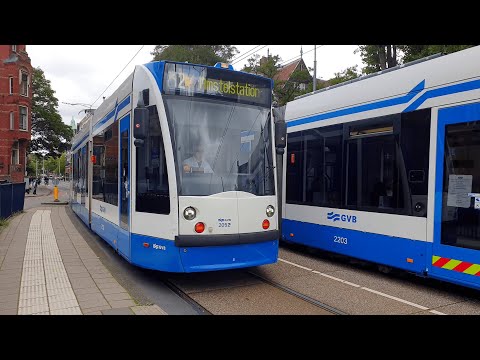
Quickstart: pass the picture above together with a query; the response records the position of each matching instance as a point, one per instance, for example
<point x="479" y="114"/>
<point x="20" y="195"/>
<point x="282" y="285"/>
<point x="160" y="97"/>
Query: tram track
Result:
<point x="300" y="295"/>
<point x="243" y="292"/>
<point x="199" y="309"/>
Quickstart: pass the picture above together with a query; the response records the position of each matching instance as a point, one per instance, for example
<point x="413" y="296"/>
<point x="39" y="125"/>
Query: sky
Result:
<point x="79" y="74"/>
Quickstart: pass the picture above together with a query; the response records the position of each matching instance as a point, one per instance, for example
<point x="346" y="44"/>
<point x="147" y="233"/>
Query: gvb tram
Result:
<point x="175" y="170"/>
<point x="386" y="168"/>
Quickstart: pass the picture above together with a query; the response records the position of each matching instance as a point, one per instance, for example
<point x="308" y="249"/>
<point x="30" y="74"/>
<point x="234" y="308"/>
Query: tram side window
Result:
<point x="105" y="167"/>
<point x="75" y="173"/>
<point x="85" y="168"/>
<point x="323" y="168"/>
<point x="110" y="186"/>
<point x="152" y="190"/>
<point x="295" y="168"/>
<point x="98" y="167"/>
<point x="314" y="167"/>
<point x="375" y="169"/>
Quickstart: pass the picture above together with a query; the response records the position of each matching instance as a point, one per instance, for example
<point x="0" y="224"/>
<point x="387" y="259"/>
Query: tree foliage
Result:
<point x="349" y="73"/>
<point x="283" y="91"/>
<point x="381" y="57"/>
<point x="378" y="57"/>
<point x="51" y="164"/>
<point x="415" y="52"/>
<point x="196" y="54"/>
<point x="49" y="133"/>
<point x="265" y="66"/>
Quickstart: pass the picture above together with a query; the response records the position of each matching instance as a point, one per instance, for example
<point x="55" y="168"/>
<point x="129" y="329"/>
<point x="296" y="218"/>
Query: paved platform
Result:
<point x="47" y="268"/>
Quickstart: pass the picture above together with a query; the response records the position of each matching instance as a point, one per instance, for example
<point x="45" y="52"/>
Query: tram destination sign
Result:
<point x="195" y="80"/>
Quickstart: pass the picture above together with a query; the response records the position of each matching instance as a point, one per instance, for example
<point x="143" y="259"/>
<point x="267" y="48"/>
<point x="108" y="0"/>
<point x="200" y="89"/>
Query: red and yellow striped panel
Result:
<point x="456" y="265"/>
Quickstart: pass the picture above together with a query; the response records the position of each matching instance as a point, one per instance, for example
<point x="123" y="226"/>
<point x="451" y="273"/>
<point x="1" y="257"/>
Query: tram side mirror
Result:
<point x="140" y="124"/>
<point x="280" y="127"/>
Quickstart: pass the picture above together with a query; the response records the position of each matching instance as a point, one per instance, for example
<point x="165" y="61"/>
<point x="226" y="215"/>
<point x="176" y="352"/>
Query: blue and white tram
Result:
<point x="175" y="170"/>
<point x="386" y="168"/>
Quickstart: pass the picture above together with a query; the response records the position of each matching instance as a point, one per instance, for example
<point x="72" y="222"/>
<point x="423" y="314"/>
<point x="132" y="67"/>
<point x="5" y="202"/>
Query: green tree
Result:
<point x="49" y="133"/>
<point x="349" y="73"/>
<point x="264" y="66"/>
<point x="32" y="164"/>
<point x="415" y="52"/>
<point x="381" y="57"/>
<point x="378" y="57"/>
<point x="196" y="54"/>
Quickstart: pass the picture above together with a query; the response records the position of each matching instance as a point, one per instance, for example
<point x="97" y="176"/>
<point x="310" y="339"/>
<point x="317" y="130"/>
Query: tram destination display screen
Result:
<point x="195" y="80"/>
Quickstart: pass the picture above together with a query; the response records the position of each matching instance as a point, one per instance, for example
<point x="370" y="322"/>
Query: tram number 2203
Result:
<point x="340" y="240"/>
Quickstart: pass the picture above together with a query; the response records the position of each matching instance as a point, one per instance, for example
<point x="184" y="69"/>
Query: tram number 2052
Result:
<point x="340" y="240"/>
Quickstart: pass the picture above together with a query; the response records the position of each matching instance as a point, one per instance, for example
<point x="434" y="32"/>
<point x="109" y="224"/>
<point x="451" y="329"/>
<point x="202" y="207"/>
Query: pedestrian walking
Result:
<point x="35" y="181"/>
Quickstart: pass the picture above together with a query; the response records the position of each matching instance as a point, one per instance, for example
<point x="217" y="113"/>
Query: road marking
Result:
<point x="336" y="279"/>
<point x="45" y="287"/>
<point x="395" y="298"/>
<point x="437" y="312"/>
<point x="291" y="263"/>
<point x="364" y="288"/>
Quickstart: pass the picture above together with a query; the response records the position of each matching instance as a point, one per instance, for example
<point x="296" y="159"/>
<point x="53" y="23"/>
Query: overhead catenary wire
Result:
<point x="245" y="56"/>
<point x="298" y="56"/>
<point x="245" y="53"/>
<point x="118" y="75"/>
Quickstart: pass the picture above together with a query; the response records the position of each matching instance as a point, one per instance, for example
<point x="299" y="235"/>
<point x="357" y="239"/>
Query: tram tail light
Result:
<point x="199" y="227"/>
<point x="265" y="224"/>
<point x="146" y="245"/>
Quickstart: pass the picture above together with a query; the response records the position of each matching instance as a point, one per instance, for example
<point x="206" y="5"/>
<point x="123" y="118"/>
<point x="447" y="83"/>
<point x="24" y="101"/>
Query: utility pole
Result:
<point x="315" y="67"/>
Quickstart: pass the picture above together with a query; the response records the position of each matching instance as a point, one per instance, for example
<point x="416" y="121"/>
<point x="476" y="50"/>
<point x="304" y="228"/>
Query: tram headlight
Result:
<point x="270" y="211"/>
<point x="189" y="213"/>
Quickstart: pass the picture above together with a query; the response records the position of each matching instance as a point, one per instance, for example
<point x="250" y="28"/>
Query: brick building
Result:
<point x="15" y="111"/>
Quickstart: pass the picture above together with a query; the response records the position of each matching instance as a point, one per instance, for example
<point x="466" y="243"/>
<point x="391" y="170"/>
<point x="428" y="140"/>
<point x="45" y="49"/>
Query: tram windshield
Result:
<point x="221" y="146"/>
<point x="220" y="123"/>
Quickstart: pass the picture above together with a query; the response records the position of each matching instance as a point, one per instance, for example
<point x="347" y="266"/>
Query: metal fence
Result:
<point x="12" y="197"/>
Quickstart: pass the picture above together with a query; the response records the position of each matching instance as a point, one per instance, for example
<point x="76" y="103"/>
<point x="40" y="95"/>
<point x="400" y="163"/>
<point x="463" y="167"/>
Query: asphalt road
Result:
<point x="45" y="193"/>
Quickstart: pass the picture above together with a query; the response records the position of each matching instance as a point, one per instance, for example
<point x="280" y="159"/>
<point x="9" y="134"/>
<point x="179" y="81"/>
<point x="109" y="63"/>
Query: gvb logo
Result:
<point x="341" y="217"/>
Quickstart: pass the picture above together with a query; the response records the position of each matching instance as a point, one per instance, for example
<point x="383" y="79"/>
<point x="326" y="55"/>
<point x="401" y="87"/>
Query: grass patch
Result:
<point x="3" y="224"/>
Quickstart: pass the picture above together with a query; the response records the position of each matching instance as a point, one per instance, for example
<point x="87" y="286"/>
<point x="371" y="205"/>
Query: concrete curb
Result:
<point x="55" y="203"/>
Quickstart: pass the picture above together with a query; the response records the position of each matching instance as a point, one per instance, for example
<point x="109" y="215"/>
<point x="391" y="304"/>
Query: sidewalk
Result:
<point x="47" y="268"/>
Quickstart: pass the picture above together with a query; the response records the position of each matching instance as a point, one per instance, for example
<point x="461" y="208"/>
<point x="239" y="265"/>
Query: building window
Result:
<point x="14" y="48"/>
<point x="24" y="84"/>
<point x="10" y="82"/>
<point x="12" y="119"/>
<point x="23" y="123"/>
<point x="15" y="154"/>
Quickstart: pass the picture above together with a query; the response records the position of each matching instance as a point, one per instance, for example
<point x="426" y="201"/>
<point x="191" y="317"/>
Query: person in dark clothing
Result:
<point x="35" y="183"/>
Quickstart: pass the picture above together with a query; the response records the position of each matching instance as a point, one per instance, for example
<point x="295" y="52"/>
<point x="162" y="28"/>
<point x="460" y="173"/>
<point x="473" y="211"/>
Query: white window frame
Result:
<point x="21" y="83"/>
<point x="10" y="85"/>
<point x="12" y="120"/>
<point x="15" y="159"/>
<point x="20" y="118"/>
<point x="14" y="48"/>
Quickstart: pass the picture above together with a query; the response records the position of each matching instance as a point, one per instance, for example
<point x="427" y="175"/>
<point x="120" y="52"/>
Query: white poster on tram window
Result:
<point x="458" y="188"/>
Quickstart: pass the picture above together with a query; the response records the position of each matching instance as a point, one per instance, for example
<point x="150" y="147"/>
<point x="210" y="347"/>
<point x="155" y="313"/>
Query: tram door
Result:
<point x="456" y="244"/>
<point x="124" y="183"/>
